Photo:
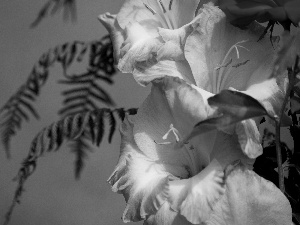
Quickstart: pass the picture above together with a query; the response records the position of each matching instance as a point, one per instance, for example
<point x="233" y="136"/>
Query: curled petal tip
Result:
<point x="107" y="20"/>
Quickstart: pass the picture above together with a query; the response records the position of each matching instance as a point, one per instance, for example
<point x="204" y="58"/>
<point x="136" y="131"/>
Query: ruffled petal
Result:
<point x="145" y="72"/>
<point x="166" y="216"/>
<point x="134" y="11"/>
<point x="223" y="56"/>
<point x="139" y="47"/>
<point x="174" y="40"/>
<point x="250" y="200"/>
<point x="141" y="180"/>
<point x="149" y="58"/>
<point x="249" y="138"/>
<point x="115" y="31"/>
<point x="194" y="198"/>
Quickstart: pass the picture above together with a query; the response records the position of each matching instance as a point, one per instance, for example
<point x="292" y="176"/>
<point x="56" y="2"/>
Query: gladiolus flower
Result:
<point x="164" y="177"/>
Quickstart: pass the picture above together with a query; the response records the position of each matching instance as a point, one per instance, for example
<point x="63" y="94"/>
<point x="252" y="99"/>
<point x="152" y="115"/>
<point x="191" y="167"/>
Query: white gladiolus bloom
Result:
<point x="189" y="55"/>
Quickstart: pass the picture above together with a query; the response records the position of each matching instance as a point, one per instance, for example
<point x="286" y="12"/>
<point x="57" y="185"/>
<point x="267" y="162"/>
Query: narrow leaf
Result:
<point x="30" y="108"/>
<point x="67" y="108"/>
<point x="105" y="96"/>
<point x="91" y="125"/>
<point x="22" y="114"/>
<point x="209" y="125"/>
<point x="237" y="104"/>
<point x="100" y="127"/>
<point x="112" y="126"/>
<point x="75" y="90"/>
<point x="121" y="113"/>
<point x="233" y="106"/>
<point x="70" y="100"/>
<point x="75" y="81"/>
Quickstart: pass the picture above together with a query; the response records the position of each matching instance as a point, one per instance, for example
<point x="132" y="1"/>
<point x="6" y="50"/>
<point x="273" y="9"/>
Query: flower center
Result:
<point x="188" y="149"/>
<point x="219" y="74"/>
<point x="172" y="130"/>
<point x="162" y="13"/>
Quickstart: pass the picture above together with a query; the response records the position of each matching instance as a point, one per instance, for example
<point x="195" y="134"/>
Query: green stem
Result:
<point x="279" y="157"/>
<point x="291" y="75"/>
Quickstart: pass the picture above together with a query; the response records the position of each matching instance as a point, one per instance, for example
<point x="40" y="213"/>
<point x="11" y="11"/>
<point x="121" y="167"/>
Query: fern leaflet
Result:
<point x="100" y="67"/>
<point x="79" y="127"/>
<point x="53" y="6"/>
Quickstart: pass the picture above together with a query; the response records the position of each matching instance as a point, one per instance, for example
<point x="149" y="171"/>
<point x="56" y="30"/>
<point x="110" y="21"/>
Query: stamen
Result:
<point x="243" y="47"/>
<point x="221" y="77"/>
<point x="149" y="8"/>
<point x="240" y="64"/>
<point x="164" y="16"/>
<point x="162" y="6"/>
<point x="236" y="47"/>
<point x="164" y="19"/>
<point x="216" y="78"/>
<point x="170" y="5"/>
<point x="227" y="64"/>
<point x="237" y="51"/>
<point x="163" y="143"/>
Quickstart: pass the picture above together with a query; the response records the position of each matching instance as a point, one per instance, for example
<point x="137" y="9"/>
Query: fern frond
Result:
<point x="20" y="106"/>
<point x="86" y="91"/>
<point x="53" y="6"/>
<point x="79" y="148"/>
<point x="100" y="127"/>
<point x="79" y="128"/>
<point x="112" y="124"/>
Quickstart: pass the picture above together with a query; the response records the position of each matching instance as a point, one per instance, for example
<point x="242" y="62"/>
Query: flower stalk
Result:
<point x="278" y="154"/>
<point x="292" y="77"/>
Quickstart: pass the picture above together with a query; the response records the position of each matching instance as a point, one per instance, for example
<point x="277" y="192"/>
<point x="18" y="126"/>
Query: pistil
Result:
<point x="174" y="131"/>
<point x="187" y="148"/>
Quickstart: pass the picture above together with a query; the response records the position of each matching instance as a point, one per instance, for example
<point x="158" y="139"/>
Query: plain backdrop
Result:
<point x="53" y="196"/>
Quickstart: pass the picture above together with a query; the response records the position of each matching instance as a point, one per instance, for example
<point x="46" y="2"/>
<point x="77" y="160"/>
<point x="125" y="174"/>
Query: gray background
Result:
<point x="52" y="194"/>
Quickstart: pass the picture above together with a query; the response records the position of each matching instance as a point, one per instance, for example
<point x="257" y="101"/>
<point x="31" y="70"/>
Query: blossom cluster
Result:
<point x="171" y="171"/>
